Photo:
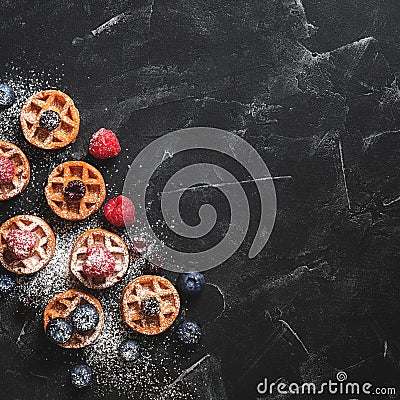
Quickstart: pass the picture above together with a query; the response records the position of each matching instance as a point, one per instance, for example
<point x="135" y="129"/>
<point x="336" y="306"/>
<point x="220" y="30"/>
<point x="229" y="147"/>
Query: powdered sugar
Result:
<point x="158" y="365"/>
<point x="7" y="170"/>
<point x="21" y="243"/>
<point x="25" y="84"/>
<point x="99" y="262"/>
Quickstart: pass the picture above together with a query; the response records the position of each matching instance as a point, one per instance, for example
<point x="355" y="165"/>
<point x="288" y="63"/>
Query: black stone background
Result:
<point x="297" y="83"/>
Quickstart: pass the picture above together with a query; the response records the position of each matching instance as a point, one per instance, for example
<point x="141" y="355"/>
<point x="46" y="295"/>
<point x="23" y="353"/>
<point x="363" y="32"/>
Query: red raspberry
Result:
<point x="21" y="243"/>
<point x="138" y="246"/>
<point x="120" y="211"/>
<point x="7" y="170"/>
<point x="99" y="262"/>
<point x="104" y="144"/>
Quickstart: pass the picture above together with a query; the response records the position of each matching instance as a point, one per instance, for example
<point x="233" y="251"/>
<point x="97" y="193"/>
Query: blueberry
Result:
<point x="150" y="306"/>
<point x="49" y="120"/>
<point x="59" y="330"/>
<point x="129" y="350"/>
<point x="81" y="376"/>
<point x="85" y="318"/>
<point x="75" y="190"/>
<point x="6" y="285"/>
<point x="7" y="96"/>
<point x="190" y="282"/>
<point x="189" y="332"/>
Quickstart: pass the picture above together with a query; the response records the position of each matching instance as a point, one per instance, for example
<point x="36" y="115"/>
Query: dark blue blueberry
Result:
<point x="189" y="332"/>
<point x="59" y="330"/>
<point x="190" y="282"/>
<point x="49" y="120"/>
<point x="85" y="318"/>
<point x="150" y="306"/>
<point x="6" y="285"/>
<point x="7" y="96"/>
<point x="129" y="350"/>
<point x="81" y="376"/>
<point x="75" y="190"/>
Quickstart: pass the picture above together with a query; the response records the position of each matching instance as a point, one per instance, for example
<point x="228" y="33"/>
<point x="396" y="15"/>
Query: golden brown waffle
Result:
<point x="113" y="243"/>
<point x="22" y="171"/>
<point x="41" y="255"/>
<point x="74" y="210"/>
<point x="47" y="100"/>
<point x="62" y="305"/>
<point x="150" y="286"/>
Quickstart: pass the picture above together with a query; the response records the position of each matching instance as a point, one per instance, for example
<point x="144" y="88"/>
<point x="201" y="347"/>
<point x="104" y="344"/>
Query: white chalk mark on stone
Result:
<point x="205" y="185"/>
<point x="151" y="13"/>
<point x="344" y="174"/>
<point x="223" y="299"/>
<point x="328" y="135"/>
<point x="288" y="327"/>
<point x="111" y="22"/>
<point x="22" y="332"/>
<point x="396" y="200"/>
<point x="167" y="154"/>
<point x="186" y="372"/>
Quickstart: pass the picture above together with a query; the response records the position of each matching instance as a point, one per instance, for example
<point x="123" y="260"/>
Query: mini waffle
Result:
<point x="22" y="171"/>
<point x="50" y="100"/>
<point x="150" y="286"/>
<point x="113" y="243"/>
<point x="62" y="305"/>
<point x="41" y="255"/>
<point x="74" y="210"/>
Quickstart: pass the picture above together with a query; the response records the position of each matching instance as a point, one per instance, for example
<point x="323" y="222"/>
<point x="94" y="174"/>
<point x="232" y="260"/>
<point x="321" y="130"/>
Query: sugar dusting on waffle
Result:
<point x="151" y="375"/>
<point x="24" y="84"/>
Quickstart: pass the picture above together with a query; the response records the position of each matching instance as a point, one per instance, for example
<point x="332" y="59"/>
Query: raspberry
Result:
<point x="21" y="243"/>
<point x="120" y="211"/>
<point x="7" y="170"/>
<point x="104" y="144"/>
<point x="99" y="262"/>
<point x="138" y="246"/>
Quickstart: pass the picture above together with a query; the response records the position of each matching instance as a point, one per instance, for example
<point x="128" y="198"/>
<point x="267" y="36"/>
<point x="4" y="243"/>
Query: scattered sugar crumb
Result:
<point x="152" y="374"/>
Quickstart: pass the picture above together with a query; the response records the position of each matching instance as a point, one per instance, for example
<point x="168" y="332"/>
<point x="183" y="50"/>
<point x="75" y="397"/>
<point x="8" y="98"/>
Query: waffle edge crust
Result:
<point x="43" y="252"/>
<point x="113" y="243"/>
<point x="75" y="210"/>
<point x="150" y="286"/>
<point x="62" y="305"/>
<point x="22" y="171"/>
<point x="50" y="100"/>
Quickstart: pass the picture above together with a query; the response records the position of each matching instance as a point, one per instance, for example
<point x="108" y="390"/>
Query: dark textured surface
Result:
<point x="321" y="105"/>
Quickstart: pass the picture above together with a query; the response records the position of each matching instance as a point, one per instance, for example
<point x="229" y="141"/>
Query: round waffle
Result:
<point x="42" y="253"/>
<point x="62" y="305"/>
<point x="113" y="243"/>
<point x="74" y="210"/>
<point x="143" y="287"/>
<point x="22" y="171"/>
<point x="50" y="100"/>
